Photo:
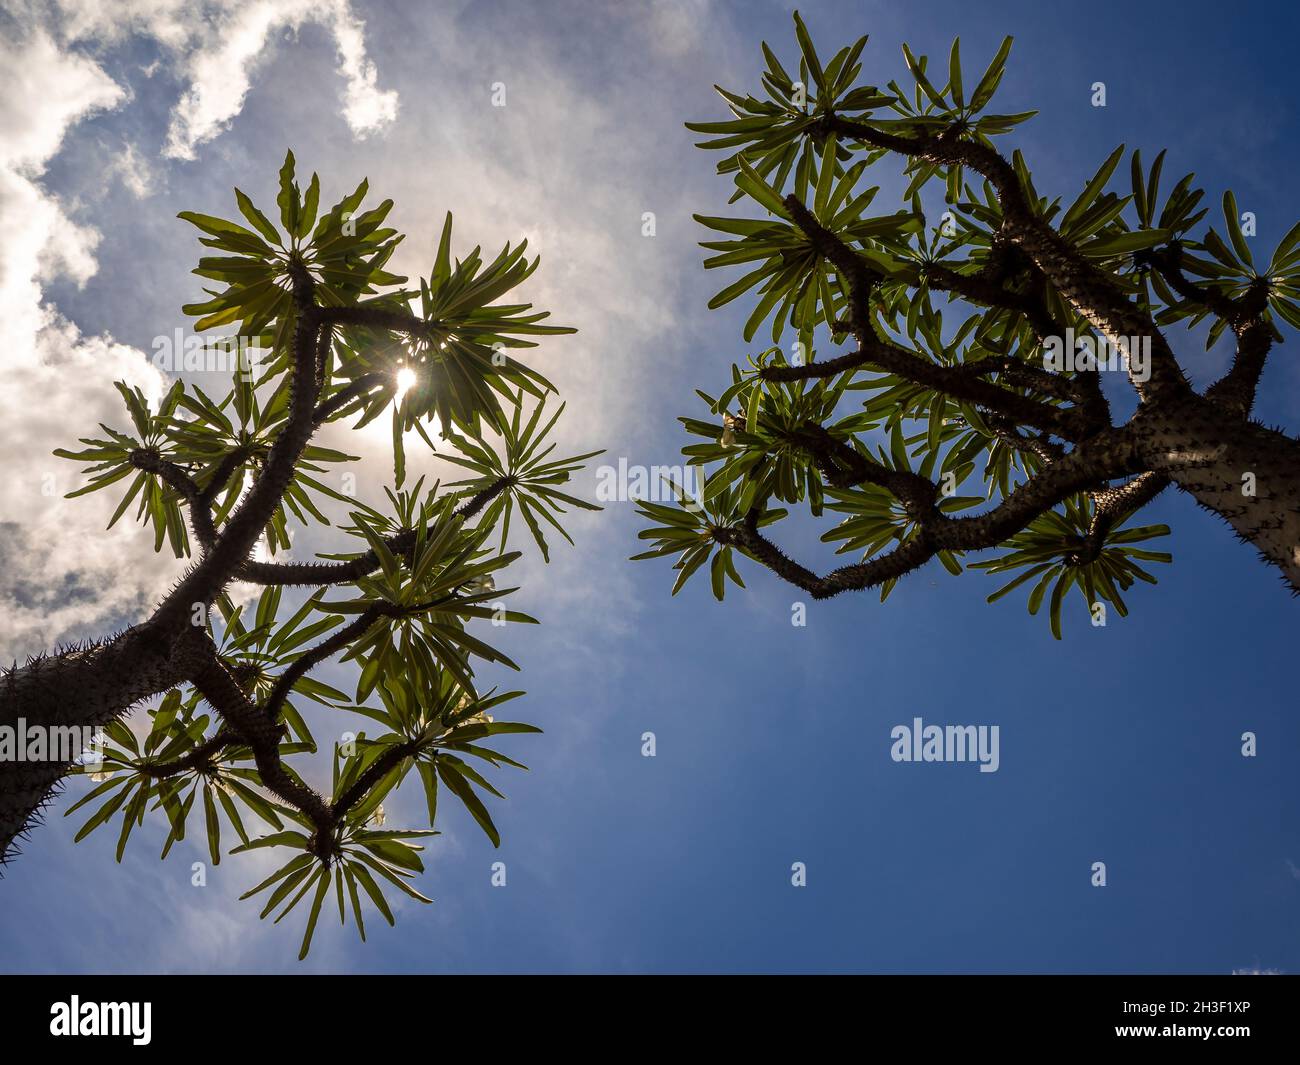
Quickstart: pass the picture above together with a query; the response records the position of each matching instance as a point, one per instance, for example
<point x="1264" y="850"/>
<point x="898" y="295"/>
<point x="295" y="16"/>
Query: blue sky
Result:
<point x="1118" y="744"/>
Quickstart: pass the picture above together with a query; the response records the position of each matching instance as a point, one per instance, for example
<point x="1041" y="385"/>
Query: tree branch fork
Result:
<point x="1203" y="443"/>
<point x="172" y="647"/>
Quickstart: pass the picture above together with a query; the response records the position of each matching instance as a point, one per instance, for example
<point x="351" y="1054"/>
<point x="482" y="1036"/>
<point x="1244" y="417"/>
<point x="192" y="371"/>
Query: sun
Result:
<point x="405" y="379"/>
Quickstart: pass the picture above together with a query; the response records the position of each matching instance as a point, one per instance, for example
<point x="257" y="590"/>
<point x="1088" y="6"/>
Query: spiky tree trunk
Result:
<point x="84" y="687"/>
<point x="1246" y="473"/>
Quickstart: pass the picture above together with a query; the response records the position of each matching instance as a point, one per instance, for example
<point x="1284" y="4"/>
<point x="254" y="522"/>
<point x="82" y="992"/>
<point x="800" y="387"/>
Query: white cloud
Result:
<point x="175" y="24"/>
<point x="45" y="89"/>
<point x="365" y="107"/>
<point x="219" y="71"/>
<point x="215" y="47"/>
<point x="674" y="27"/>
<point x="62" y="571"/>
<point x="219" y="63"/>
<point x="133" y="171"/>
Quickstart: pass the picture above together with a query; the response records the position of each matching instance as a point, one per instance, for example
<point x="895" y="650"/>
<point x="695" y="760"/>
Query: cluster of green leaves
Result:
<point x="417" y="654"/>
<point x="200" y="435"/>
<point x="256" y="648"/>
<point x="445" y="580"/>
<point x="793" y="278"/>
<point x="418" y="666"/>
<point x="345" y="250"/>
<point x="760" y="452"/>
<point x="783" y="139"/>
<point x="1227" y="268"/>
<point x="463" y="375"/>
<point x="437" y="725"/>
<point x="797" y="139"/>
<point x="529" y="472"/>
<point x="686" y="530"/>
<point x="433" y="727"/>
<point x="110" y="462"/>
<point x="361" y="852"/>
<point x="124" y="778"/>
<point x="259" y="649"/>
<point x="1052" y="549"/>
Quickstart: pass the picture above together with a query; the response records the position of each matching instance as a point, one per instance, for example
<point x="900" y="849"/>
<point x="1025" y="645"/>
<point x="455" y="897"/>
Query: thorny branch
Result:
<point x="1077" y="446"/>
